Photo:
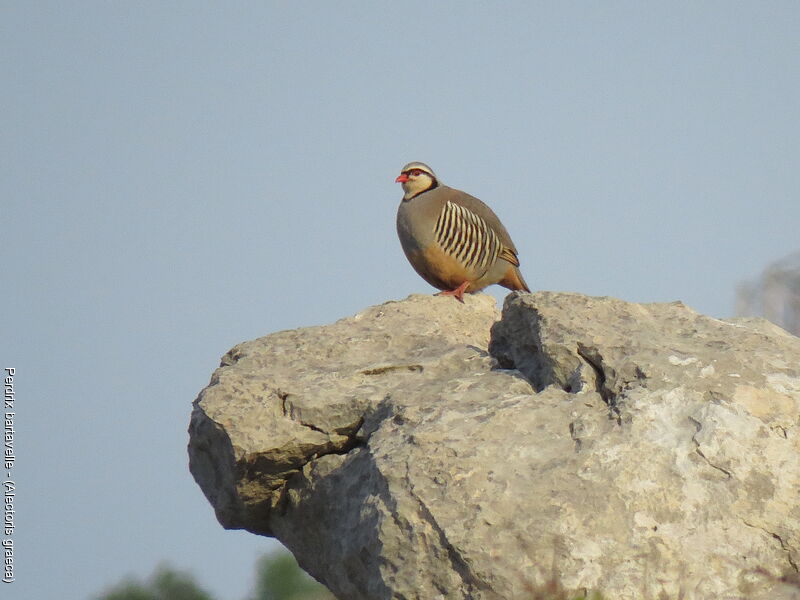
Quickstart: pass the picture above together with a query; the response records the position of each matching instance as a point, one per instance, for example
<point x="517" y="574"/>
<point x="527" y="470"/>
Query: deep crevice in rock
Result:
<point x="592" y="357"/>
<point x="353" y="441"/>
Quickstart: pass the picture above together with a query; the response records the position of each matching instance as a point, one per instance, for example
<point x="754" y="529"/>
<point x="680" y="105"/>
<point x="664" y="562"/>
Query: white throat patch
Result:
<point x="416" y="185"/>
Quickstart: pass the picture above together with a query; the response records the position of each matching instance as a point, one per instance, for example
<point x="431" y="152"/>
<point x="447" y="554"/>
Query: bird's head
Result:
<point x="416" y="177"/>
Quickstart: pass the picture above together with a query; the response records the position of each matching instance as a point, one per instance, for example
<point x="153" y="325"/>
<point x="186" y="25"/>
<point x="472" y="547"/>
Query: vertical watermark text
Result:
<point x="9" y="487"/>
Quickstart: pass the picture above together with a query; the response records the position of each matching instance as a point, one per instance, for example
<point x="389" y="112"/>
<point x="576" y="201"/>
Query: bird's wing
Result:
<point x="507" y="250"/>
<point x="467" y="237"/>
<point x="482" y="210"/>
<point x="510" y="255"/>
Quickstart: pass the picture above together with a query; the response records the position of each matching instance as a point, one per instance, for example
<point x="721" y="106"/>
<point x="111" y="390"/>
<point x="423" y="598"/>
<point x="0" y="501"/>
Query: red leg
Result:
<point x="457" y="293"/>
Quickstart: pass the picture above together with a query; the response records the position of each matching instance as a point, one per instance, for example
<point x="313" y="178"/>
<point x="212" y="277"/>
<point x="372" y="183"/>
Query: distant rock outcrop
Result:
<point x="775" y="295"/>
<point x="641" y="450"/>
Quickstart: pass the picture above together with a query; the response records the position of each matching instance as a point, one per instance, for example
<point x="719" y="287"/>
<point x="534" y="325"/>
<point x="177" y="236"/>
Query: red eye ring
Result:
<point x="416" y="172"/>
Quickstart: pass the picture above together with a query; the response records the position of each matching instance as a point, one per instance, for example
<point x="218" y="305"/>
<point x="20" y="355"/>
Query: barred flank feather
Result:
<point x="466" y="237"/>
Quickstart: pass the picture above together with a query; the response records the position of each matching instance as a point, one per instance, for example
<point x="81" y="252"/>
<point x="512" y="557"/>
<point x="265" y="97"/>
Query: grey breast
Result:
<point x="415" y="218"/>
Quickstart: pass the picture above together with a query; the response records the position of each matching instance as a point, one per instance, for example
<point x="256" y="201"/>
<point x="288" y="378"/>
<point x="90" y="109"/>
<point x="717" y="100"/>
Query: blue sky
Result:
<point x="178" y="177"/>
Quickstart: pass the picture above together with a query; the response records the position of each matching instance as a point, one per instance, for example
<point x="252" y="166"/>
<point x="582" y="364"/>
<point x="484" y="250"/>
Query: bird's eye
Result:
<point x="416" y="172"/>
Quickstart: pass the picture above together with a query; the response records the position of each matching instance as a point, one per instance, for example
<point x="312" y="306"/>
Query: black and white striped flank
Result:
<point x="466" y="237"/>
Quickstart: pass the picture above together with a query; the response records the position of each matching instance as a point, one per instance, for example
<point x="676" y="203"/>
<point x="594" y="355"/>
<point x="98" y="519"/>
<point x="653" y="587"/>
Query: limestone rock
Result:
<point x="637" y="450"/>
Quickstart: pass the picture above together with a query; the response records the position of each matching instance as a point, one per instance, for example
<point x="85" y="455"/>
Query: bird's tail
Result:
<point x="514" y="281"/>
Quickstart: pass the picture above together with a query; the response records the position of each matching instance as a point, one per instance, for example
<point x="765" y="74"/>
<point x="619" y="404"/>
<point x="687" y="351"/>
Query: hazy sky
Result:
<point x="177" y="177"/>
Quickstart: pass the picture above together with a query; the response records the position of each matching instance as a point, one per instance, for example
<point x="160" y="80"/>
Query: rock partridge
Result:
<point x="453" y="240"/>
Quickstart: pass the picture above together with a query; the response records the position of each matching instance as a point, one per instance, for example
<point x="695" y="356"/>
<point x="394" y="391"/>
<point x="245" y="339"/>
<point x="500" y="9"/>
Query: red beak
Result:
<point x="402" y="178"/>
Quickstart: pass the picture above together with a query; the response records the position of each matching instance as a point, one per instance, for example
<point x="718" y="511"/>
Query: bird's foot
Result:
<point x="457" y="293"/>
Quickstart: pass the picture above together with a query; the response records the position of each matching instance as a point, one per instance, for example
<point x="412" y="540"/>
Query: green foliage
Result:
<point x="553" y="590"/>
<point x="279" y="577"/>
<point x="164" y="584"/>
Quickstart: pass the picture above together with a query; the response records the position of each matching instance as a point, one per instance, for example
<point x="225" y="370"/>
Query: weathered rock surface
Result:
<point x="642" y="450"/>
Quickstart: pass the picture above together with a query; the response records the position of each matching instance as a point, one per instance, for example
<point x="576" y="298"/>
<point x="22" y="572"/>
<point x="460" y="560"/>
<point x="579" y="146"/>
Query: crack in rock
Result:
<point x="352" y="441"/>
<point x="575" y="435"/>
<point x="390" y="368"/>
<point x="332" y="446"/>
<point x="460" y="565"/>
<point x="699" y="426"/>
<point x="784" y="546"/>
<point x="288" y="412"/>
